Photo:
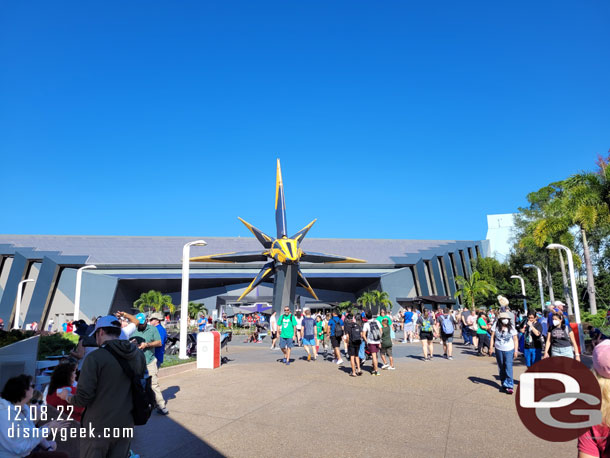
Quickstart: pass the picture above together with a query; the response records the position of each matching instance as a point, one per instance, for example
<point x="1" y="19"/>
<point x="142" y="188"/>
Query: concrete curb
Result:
<point x="177" y="369"/>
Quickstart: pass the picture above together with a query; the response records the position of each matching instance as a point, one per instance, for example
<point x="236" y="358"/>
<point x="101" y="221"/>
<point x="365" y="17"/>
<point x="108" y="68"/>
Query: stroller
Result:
<point x="172" y="344"/>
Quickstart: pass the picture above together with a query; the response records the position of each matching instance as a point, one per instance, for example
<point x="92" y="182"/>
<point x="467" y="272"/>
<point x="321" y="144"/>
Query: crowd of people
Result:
<point x="93" y="384"/>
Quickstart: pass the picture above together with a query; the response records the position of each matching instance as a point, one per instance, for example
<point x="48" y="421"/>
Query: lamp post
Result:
<point x="522" y="291"/>
<point x="79" y="277"/>
<point x="532" y="266"/>
<point x="184" y="298"/>
<point x="557" y="246"/>
<point x="18" y="307"/>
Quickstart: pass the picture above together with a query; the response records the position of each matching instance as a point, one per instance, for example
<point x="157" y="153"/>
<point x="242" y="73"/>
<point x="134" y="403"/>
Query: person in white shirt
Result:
<point x="371" y="334"/>
<point x="273" y="329"/>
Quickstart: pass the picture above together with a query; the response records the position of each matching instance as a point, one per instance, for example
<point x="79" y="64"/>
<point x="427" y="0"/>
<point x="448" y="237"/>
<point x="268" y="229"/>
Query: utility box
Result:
<point x="208" y="350"/>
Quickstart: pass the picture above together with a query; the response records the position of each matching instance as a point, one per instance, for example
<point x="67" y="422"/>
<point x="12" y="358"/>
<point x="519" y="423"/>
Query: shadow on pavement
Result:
<point x="484" y="381"/>
<point x="162" y="437"/>
<point x="170" y="392"/>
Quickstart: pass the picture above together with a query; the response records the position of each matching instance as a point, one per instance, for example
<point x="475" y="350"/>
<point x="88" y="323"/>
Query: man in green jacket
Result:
<point x="105" y="391"/>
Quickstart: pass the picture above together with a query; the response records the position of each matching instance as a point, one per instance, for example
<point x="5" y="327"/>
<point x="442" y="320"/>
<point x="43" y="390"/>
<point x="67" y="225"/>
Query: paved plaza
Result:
<point x="255" y="406"/>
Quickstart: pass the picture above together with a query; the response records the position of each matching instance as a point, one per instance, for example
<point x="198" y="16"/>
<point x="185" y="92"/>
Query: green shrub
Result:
<point x="55" y="344"/>
<point x="15" y="335"/>
<point x="597" y="321"/>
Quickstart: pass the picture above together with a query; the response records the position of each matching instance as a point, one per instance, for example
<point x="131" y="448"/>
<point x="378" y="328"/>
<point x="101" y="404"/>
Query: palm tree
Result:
<point x="472" y="288"/>
<point x="381" y="298"/>
<point x="342" y="306"/>
<point x="153" y="300"/>
<point x="195" y="308"/>
<point x="578" y="201"/>
<point x="366" y="299"/>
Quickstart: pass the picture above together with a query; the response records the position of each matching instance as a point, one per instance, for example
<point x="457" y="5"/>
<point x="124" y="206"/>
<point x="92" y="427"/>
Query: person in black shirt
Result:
<point x="532" y="339"/>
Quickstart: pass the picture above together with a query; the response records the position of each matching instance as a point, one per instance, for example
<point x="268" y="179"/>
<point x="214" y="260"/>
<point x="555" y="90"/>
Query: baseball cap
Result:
<point x="156" y="316"/>
<point x="601" y="359"/>
<point x="141" y="318"/>
<point x="109" y="321"/>
<point x="558" y="304"/>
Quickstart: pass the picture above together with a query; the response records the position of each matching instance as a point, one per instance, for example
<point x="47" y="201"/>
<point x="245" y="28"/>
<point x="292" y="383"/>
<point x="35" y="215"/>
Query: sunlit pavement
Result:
<point x="256" y="406"/>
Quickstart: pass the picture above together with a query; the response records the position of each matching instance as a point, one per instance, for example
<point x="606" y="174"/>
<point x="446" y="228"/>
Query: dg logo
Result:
<point x="558" y="399"/>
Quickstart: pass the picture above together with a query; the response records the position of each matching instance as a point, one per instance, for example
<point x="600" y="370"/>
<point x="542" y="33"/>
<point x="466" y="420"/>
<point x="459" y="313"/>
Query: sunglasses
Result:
<point x="37" y="401"/>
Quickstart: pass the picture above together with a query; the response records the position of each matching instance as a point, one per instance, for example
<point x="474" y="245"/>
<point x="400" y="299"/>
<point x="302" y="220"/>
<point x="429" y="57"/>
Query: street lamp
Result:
<point x="184" y="298"/>
<point x="79" y="277"/>
<point x="18" y="307"/>
<point x="557" y="246"/>
<point x="522" y="291"/>
<point x="532" y="266"/>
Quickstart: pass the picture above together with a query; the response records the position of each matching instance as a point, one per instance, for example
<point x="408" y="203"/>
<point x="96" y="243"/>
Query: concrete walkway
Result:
<point x="255" y="406"/>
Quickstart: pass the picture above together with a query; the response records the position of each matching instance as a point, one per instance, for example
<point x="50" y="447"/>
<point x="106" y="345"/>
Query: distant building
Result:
<point x="128" y="266"/>
<point x="500" y="232"/>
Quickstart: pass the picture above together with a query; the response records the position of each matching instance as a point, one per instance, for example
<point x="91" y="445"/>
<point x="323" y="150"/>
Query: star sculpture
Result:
<point x="285" y="253"/>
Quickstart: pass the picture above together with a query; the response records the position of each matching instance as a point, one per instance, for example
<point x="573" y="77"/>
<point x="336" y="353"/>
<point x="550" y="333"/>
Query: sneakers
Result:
<point x="385" y="366"/>
<point x="450" y="358"/>
<point x="391" y="368"/>
<point x="334" y="360"/>
<point x="509" y="390"/>
<point x="162" y="411"/>
<point x="287" y="363"/>
<point x="340" y="361"/>
<point x="284" y="360"/>
<point x="308" y="357"/>
<point x="375" y="373"/>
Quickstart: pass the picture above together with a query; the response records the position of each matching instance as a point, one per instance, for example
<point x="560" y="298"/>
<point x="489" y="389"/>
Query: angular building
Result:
<point x="128" y="266"/>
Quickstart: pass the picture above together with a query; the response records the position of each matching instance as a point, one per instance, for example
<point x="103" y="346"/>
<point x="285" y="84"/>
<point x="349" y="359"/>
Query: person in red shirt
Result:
<point x="63" y="378"/>
<point x="595" y="441"/>
<point x="69" y="327"/>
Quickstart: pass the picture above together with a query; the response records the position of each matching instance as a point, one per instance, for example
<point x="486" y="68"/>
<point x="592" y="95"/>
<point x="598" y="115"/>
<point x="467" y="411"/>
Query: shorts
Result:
<point x="426" y="335"/>
<point x="409" y="327"/>
<point x="353" y="348"/>
<point x="562" y="351"/>
<point x="446" y="337"/>
<point x="374" y="348"/>
<point x="386" y="351"/>
<point x="274" y="334"/>
<point x="286" y="342"/>
<point x="311" y="341"/>
<point x="335" y="341"/>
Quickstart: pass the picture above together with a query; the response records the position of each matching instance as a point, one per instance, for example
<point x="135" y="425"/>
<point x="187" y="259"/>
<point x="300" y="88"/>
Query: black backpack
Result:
<point x="338" y="327"/>
<point x="355" y="332"/>
<point x="141" y="392"/>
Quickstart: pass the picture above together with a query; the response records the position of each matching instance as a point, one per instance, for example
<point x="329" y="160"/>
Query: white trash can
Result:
<point x="208" y="350"/>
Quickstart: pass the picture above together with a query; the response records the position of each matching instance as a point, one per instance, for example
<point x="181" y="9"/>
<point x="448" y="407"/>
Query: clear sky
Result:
<point x="392" y="119"/>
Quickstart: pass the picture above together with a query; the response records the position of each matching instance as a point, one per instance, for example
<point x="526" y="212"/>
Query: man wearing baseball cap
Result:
<point x="148" y="339"/>
<point x="105" y="390"/>
<point x="155" y="320"/>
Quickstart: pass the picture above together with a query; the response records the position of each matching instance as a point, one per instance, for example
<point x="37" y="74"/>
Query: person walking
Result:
<point x="155" y="320"/>
<point x="481" y="331"/>
<point x="560" y="340"/>
<point x="408" y="326"/>
<point x="386" y="345"/>
<point x="309" y="335"/>
<point x="446" y="322"/>
<point x="320" y="341"/>
<point x="426" y="323"/>
<point x="273" y="329"/>
<point x="335" y="330"/>
<point x="353" y="331"/>
<point x="505" y="344"/>
<point x="104" y="389"/>
<point x="148" y="339"/>
<point x="287" y="324"/>
<point x="371" y="334"/>
<point x="533" y="340"/>
<point x="466" y="332"/>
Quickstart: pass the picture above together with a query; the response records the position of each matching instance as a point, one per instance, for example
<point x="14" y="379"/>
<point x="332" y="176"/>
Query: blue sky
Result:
<point x="391" y="119"/>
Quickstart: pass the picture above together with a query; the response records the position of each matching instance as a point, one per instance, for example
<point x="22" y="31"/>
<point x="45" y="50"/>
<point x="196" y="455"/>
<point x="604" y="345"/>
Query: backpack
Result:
<point x="374" y="331"/>
<point x="355" y="332"/>
<point x="427" y="325"/>
<point x="142" y="395"/>
<point x="447" y="325"/>
<point x="338" y="327"/>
